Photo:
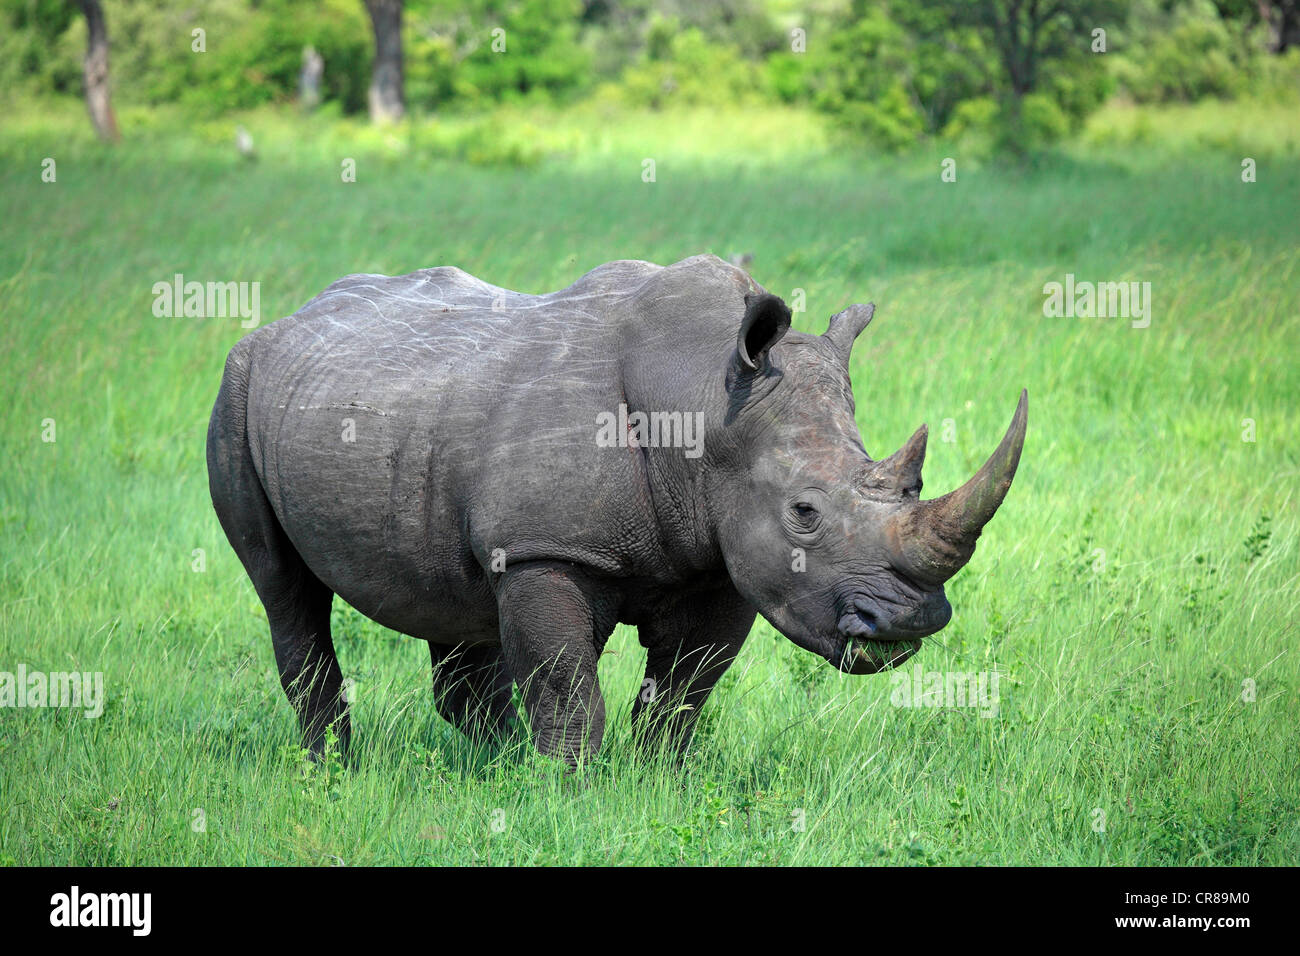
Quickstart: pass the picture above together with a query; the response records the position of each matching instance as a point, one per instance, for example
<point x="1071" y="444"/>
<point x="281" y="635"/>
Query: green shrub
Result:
<point x="945" y="64"/>
<point x="1190" y="55"/>
<point x="973" y="117"/>
<point x="29" y="34"/>
<point x="683" y="67"/>
<point x="542" y="55"/>
<point x="862" y="83"/>
<point x="889" y="124"/>
<point x="1042" y="120"/>
<point x="786" y="77"/>
<point x="433" y="75"/>
<point x="261" y="57"/>
<point x="1279" y="76"/>
<point x="253" y="54"/>
<point x="1078" y="86"/>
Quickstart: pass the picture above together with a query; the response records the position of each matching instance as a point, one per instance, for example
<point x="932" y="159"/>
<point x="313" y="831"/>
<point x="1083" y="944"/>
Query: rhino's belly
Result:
<point x="367" y="504"/>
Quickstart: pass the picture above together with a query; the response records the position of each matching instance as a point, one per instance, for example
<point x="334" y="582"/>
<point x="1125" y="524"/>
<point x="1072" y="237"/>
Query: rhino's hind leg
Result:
<point x="472" y="689"/>
<point x="298" y="609"/>
<point x="554" y="623"/>
<point x="297" y="603"/>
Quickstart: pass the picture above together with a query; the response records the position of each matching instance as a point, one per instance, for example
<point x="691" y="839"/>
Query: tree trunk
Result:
<point x="387" y="102"/>
<point x="99" y="101"/>
<point x="1288" y="26"/>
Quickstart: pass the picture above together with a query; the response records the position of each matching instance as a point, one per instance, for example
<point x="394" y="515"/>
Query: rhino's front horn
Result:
<point x="938" y="536"/>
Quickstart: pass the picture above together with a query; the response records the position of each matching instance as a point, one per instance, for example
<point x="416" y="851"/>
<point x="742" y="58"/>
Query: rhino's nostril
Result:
<point x="867" y="612"/>
<point x="859" y="623"/>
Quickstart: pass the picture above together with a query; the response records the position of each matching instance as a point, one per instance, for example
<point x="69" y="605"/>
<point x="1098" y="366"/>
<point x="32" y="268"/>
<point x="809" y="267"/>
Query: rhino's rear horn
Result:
<point x="901" y="471"/>
<point x="846" y="326"/>
<point x="938" y="536"/>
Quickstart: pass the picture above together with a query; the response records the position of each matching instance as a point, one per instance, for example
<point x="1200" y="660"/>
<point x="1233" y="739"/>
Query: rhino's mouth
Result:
<point x="862" y="649"/>
<point x="869" y="656"/>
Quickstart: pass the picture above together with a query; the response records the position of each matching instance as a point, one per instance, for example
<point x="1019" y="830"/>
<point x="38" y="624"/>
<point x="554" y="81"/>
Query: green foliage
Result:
<point x="31" y="28"/>
<point x="886" y="74"/>
<point x="261" y="57"/>
<point x="433" y="75"/>
<point x="946" y="65"/>
<point x="682" y="67"/>
<point x="1279" y="77"/>
<point x="787" y="77"/>
<point x="1256" y="542"/>
<point x="863" y="83"/>
<point x="624" y="25"/>
<point x="1041" y="122"/>
<point x="1183" y="54"/>
<point x="541" y="53"/>
<point x="888" y="124"/>
<point x="1199" y="50"/>
<point x="898" y="72"/>
<point x="253" y="52"/>
<point x="975" y="117"/>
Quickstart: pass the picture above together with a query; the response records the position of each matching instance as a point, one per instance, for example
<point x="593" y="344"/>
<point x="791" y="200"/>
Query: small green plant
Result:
<point x="323" y="775"/>
<point x="1256" y="542"/>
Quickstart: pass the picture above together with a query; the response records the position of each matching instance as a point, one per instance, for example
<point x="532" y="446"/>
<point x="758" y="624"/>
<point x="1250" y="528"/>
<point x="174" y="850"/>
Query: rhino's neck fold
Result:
<point x="684" y="418"/>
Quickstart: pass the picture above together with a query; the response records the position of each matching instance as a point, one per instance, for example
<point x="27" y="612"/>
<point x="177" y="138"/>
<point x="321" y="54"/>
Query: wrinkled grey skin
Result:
<point x="473" y="414"/>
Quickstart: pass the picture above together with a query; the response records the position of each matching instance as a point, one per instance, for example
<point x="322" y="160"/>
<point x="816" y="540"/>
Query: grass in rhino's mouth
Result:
<point x="880" y="654"/>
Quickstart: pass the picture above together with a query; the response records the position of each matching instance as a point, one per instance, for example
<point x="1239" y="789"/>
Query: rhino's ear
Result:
<point x="766" y="320"/>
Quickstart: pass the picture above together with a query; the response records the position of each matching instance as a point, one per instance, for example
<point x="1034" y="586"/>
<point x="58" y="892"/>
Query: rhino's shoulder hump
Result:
<point x="635" y="277"/>
<point x="708" y="270"/>
<point x="620" y="277"/>
<point x="702" y="279"/>
<point x="439" y="287"/>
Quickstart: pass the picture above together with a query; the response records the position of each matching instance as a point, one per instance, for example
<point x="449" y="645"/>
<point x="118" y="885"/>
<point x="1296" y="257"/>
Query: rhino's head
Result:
<point x="837" y="550"/>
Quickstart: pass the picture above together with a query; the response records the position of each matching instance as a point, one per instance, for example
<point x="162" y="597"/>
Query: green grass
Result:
<point x="1143" y="568"/>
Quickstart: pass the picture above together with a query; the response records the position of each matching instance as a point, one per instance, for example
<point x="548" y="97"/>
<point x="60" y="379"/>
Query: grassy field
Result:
<point x="1137" y="593"/>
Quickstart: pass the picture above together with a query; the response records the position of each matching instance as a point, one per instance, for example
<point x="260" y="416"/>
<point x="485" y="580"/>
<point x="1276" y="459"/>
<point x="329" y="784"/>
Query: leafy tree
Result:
<point x="31" y="30"/>
<point x="1031" y="36"/>
<point x="1280" y="17"/>
<point x="948" y="64"/>
<point x="1189" y="50"/>
<point x="542" y="53"/>
<point x="686" y="68"/>
<point x="896" y="71"/>
<point x="864" y="83"/>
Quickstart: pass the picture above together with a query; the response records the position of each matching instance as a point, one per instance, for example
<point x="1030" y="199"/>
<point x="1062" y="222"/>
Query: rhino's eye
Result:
<point x="805" y="512"/>
<point x="802" y="517"/>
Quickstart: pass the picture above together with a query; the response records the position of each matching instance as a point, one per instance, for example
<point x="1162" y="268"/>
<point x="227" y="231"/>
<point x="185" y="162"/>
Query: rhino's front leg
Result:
<point x="554" y="623"/>
<point x="691" y="641"/>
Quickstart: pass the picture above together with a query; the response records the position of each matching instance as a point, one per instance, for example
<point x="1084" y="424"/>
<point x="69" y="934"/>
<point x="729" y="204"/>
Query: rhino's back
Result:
<point x="406" y="427"/>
